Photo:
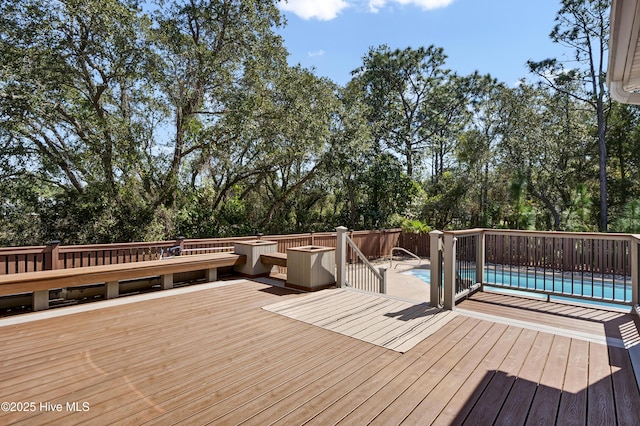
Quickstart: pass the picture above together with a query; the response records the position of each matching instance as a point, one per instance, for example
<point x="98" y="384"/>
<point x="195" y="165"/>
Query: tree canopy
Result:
<point x="123" y="120"/>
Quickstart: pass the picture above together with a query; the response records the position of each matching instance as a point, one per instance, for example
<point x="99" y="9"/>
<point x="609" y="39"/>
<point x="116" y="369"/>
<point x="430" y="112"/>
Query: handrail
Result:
<point x="407" y="252"/>
<point x="363" y="258"/>
<point x="376" y="281"/>
<point x="558" y="234"/>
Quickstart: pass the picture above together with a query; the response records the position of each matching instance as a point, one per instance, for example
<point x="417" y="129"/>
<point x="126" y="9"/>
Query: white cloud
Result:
<point x="326" y="10"/>
<point x="375" y="5"/>
<point x="316" y="53"/>
<point x="323" y="10"/>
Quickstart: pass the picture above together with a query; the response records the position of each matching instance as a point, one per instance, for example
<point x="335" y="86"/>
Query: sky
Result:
<point x="494" y="37"/>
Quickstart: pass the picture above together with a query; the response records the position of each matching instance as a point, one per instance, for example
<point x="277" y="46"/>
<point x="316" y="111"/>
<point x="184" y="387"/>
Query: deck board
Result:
<point x="516" y="406"/>
<point x="625" y="388"/>
<point x="573" y="401"/>
<point x="488" y="407"/>
<point x="318" y="391"/>
<point x="322" y="377"/>
<point x="595" y="324"/>
<point x="447" y="390"/>
<point x="544" y="407"/>
<point x="411" y="397"/>
<point x="215" y="356"/>
<point x="377" y="319"/>
<point x="392" y="389"/>
<point x="600" y="410"/>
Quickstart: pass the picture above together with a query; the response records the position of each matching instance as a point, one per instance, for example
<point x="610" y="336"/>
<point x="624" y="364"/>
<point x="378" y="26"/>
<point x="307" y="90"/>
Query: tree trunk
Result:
<point x="603" y="169"/>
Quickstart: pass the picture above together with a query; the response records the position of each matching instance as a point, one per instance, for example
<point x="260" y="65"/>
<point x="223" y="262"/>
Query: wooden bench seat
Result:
<point x="278" y="259"/>
<point x="42" y="281"/>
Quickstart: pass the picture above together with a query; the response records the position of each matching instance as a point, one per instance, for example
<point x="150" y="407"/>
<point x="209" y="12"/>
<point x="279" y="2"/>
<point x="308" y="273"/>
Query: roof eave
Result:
<point x="623" y="48"/>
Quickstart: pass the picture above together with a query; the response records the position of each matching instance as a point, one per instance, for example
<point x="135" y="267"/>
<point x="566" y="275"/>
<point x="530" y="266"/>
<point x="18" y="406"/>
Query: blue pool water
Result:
<point x="612" y="293"/>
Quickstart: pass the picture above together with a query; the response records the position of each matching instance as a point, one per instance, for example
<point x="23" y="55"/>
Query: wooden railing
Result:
<point x="596" y="267"/>
<point x="373" y="244"/>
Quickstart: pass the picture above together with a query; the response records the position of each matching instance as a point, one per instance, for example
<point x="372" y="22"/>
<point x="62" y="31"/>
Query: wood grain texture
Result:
<point x="44" y="280"/>
<point x="215" y="356"/>
<point x="377" y="319"/>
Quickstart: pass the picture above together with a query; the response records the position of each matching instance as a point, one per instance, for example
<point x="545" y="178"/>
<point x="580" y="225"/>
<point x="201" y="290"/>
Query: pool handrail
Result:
<point x="405" y="251"/>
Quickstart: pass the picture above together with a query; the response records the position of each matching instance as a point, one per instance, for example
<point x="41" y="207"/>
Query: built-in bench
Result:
<point x="39" y="283"/>
<point x="309" y="268"/>
<point x="277" y="259"/>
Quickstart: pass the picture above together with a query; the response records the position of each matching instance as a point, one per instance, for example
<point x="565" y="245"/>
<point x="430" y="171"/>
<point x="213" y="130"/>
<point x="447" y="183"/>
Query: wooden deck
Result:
<point x="214" y="356"/>
<point x="598" y="325"/>
<point x="384" y="321"/>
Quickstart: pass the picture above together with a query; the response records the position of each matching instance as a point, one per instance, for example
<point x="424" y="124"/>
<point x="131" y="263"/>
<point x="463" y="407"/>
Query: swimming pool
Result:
<point x="613" y="294"/>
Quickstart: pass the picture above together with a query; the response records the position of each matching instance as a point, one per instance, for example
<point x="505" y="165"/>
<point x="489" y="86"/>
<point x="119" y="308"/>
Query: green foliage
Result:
<point x="443" y="202"/>
<point x="415" y="226"/>
<point x="121" y="123"/>
<point x="580" y="216"/>
<point x="20" y="214"/>
<point x="408" y="92"/>
<point x="629" y="220"/>
<point x="521" y="214"/>
<point x="624" y="155"/>
<point x="388" y="189"/>
<point x="583" y="27"/>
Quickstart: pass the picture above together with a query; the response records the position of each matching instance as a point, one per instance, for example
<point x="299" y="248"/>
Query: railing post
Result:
<point x="449" y="256"/>
<point x="383" y="282"/>
<point x="480" y="244"/>
<point x="435" y="267"/>
<point x="635" y="279"/>
<point x="341" y="256"/>
<point x="53" y="255"/>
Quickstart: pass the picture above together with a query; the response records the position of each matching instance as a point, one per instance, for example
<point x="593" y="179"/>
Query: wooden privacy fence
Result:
<point x="373" y="244"/>
<point x="417" y="244"/>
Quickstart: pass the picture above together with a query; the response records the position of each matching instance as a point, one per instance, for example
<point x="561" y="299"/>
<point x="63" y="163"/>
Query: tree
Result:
<point x="351" y="153"/>
<point x="301" y="132"/>
<point x="476" y="150"/>
<point x="114" y="112"/>
<point x="443" y="206"/>
<point x="583" y="26"/>
<point x="543" y="142"/>
<point x="629" y="220"/>
<point x="399" y="86"/>
<point x="389" y="191"/>
<point x="204" y="50"/>
<point x="77" y="108"/>
<point x="579" y="217"/>
<point x="72" y="80"/>
<point x="623" y="135"/>
<point x="447" y="114"/>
